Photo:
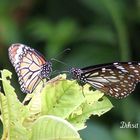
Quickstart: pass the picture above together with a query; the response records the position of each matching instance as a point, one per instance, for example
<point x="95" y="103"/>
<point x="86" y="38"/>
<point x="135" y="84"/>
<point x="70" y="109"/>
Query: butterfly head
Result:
<point x="46" y="70"/>
<point x="76" y="73"/>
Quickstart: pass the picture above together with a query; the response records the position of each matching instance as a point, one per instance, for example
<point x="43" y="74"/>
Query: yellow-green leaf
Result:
<point x="50" y="127"/>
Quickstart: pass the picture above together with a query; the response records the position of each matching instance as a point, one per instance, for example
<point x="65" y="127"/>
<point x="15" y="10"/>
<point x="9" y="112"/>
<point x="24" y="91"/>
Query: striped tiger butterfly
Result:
<point x="31" y="66"/>
<point x="114" y="79"/>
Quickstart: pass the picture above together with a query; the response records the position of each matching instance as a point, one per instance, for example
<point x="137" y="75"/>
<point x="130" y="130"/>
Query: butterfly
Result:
<point x="114" y="79"/>
<point x="31" y="66"/>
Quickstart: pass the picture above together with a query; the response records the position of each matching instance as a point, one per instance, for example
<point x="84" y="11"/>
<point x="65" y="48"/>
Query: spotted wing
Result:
<point x="28" y="63"/>
<point x="117" y="79"/>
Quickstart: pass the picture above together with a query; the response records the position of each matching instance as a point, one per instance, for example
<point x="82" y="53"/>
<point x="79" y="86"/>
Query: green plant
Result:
<point x="58" y="112"/>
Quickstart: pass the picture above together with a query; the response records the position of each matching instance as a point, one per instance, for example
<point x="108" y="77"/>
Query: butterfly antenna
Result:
<point x="53" y="59"/>
<point x="65" y="71"/>
<point x="66" y="50"/>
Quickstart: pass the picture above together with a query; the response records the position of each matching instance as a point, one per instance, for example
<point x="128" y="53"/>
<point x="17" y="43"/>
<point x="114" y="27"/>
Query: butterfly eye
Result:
<point x="30" y="65"/>
<point x="115" y="79"/>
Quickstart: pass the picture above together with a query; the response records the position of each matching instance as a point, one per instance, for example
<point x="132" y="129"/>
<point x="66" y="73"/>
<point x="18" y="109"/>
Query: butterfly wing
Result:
<point x="115" y="79"/>
<point x="30" y="66"/>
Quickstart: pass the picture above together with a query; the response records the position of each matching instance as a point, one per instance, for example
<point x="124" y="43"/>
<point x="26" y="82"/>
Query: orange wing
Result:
<point x="29" y="65"/>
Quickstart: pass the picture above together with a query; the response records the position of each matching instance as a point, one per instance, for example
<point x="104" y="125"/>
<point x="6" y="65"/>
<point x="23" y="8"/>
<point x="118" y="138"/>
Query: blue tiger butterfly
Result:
<point x="114" y="79"/>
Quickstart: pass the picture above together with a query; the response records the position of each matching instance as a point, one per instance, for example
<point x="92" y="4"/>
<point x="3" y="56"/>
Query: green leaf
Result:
<point x="4" y="110"/>
<point x="12" y="111"/>
<point x="95" y="104"/>
<point x="68" y="100"/>
<point x="61" y="97"/>
<point x="34" y="106"/>
<point x="53" y="128"/>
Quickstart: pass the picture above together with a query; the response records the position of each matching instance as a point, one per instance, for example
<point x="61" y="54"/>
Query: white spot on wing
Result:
<point x="94" y="74"/>
<point x="120" y="67"/>
<point x="116" y="90"/>
<point x="121" y="76"/>
<point x="103" y="69"/>
<point x="110" y="77"/>
<point x="96" y="84"/>
<point x="136" y="71"/>
<point x="125" y="81"/>
<point x="115" y="63"/>
<point x="98" y="79"/>
<point x="124" y="70"/>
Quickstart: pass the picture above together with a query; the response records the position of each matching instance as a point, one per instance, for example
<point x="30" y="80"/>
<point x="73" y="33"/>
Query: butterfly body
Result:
<point x="30" y="65"/>
<point x="115" y="79"/>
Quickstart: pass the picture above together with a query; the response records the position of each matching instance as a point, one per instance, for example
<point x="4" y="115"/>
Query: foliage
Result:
<point x="58" y="111"/>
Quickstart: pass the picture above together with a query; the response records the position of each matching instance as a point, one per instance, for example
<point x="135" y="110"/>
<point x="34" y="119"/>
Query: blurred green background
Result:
<point x="97" y="31"/>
